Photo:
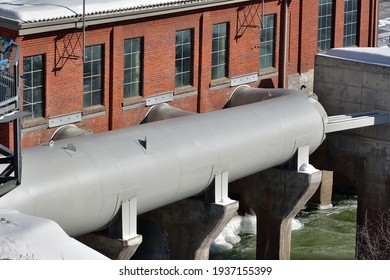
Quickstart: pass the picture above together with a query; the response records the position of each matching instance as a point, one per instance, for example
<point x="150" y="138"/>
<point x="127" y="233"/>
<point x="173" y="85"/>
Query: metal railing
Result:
<point x="9" y="59"/>
<point x="10" y="159"/>
<point x="8" y="87"/>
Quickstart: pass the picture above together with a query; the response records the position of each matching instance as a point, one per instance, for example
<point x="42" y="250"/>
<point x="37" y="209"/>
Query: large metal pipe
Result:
<point x="81" y="182"/>
<point x="243" y="95"/>
<point x="163" y="112"/>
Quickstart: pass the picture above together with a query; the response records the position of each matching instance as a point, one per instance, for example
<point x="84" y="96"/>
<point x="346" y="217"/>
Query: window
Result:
<point x="93" y="93"/>
<point x="267" y="44"/>
<point x="325" y="24"/>
<point x="219" y="51"/>
<point x="133" y="68"/>
<point x="350" y="22"/>
<point x="184" y="53"/>
<point x="33" y="92"/>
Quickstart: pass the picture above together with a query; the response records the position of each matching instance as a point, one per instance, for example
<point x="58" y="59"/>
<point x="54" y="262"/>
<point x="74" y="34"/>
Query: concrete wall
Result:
<point x="347" y="86"/>
<point x="359" y="157"/>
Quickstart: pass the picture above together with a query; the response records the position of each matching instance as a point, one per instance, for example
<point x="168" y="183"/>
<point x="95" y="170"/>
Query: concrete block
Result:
<point x="376" y="80"/>
<point x="354" y="65"/>
<point x="379" y="132"/>
<point x="376" y="99"/>
<point x="331" y="74"/>
<point x="115" y="249"/>
<point x="322" y="198"/>
<point x="351" y="94"/>
<point x="296" y="81"/>
<point x="351" y="77"/>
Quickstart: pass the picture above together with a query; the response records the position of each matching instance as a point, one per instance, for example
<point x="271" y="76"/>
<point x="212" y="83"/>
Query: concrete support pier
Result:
<point x="276" y="196"/>
<point x="322" y="198"/>
<point x="190" y="226"/>
<point x="113" y="248"/>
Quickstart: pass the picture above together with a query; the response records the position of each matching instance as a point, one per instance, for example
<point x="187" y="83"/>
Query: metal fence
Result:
<point x="8" y="85"/>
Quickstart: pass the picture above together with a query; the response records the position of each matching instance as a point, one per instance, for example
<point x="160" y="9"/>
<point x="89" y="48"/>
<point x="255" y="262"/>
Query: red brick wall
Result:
<point x="64" y="72"/>
<point x="308" y="35"/>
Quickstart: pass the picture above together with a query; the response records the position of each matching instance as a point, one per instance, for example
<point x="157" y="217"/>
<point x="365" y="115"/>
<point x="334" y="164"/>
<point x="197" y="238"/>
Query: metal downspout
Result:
<point x="285" y="43"/>
<point x="83" y="30"/>
<point x="376" y="20"/>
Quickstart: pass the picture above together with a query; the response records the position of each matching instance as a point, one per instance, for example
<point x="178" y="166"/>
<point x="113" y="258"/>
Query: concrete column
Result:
<point x="276" y="196"/>
<point x="322" y="199"/>
<point x="190" y="226"/>
<point x="362" y="164"/>
<point x="115" y="249"/>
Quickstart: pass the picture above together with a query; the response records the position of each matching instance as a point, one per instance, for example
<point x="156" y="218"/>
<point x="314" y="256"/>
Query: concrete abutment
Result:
<point x="350" y="81"/>
<point x="276" y="196"/>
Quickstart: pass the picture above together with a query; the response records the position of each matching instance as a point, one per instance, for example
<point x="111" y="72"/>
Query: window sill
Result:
<point x="185" y="89"/>
<point x="34" y="122"/>
<point x="133" y="101"/>
<point x="220" y="82"/>
<point x="269" y="72"/>
<point x="93" y="110"/>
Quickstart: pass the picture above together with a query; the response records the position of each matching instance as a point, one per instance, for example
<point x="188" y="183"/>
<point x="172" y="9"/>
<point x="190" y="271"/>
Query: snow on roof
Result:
<point x="45" y="10"/>
<point x="26" y="237"/>
<point x="380" y="56"/>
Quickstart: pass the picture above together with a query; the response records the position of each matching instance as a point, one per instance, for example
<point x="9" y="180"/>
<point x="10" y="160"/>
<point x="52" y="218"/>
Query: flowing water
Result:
<point x="317" y="234"/>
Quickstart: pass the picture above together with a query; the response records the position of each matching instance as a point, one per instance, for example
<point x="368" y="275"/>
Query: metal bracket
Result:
<point x="303" y="157"/>
<point x="129" y="218"/>
<point x="63" y="120"/>
<point x="240" y="80"/>
<point x="221" y="189"/>
<point x="157" y="99"/>
<point x="356" y="120"/>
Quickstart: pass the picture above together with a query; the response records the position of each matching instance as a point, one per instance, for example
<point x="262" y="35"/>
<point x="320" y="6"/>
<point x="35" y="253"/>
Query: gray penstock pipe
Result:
<point x="80" y="182"/>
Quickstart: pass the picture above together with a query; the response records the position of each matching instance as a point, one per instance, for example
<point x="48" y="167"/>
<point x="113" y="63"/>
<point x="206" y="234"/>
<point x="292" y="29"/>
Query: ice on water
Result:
<point x="246" y="224"/>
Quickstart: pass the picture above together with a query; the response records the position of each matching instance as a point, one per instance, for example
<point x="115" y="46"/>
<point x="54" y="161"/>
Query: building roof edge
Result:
<point x="76" y="21"/>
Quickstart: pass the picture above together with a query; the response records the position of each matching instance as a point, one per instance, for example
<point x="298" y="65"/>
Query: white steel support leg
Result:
<point x="221" y="189"/>
<point x="303" y="157"/>
<point x="129" y="218"/>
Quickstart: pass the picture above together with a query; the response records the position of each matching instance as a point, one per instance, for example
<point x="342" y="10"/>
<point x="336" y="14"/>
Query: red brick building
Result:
<point x="103" y="70"/>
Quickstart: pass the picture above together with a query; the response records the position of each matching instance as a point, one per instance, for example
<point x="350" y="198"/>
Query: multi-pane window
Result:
<point x="219" y="51"/>
<point x="133" y="68"/>
<point x="350" y="22"/>
<point x="184" y="57"/>
<point x="267" y="43"/>
<point x="33" y="91"/>
<point x="325" y="24"/>
<point x="93" y="62"/>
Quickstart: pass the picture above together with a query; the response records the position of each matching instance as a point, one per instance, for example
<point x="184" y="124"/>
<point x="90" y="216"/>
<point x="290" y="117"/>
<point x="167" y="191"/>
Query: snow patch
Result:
<point x="24" y="237"/>
<point x="307" y="168"/>
<point x="25" y="11"/>
<point x="379" y="56"/>
<point x="240" y="225"/>
<point x="383" y="22"/>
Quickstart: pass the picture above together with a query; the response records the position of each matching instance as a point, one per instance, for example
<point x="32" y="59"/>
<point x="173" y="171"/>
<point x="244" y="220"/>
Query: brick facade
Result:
<point x="62" y="52"/>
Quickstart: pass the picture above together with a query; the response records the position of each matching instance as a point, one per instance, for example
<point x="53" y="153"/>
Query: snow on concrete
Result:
<point x="38" y="10"/>
<point x="307" y="168"/>
<point x="24" y="237"/>
<point x="379" y="56"/>
<point x="384" y="22"/>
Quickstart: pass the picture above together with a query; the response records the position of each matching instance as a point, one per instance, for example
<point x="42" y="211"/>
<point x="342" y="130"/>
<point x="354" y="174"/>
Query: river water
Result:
<point x="317" y="235"/>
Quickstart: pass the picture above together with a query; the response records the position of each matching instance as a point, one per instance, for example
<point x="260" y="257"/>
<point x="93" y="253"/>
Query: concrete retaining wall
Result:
<point x="361" y="156"/>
